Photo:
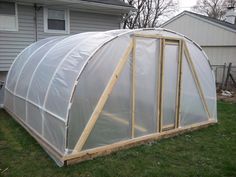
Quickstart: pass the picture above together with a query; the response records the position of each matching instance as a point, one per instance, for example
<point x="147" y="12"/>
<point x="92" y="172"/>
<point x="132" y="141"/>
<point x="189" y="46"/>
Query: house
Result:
<point x="23" y="22"/>
<point x="216" y="37"/>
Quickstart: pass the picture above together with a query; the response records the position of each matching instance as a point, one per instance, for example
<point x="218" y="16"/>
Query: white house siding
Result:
<point x="11" y="43"/>
<point x="221" y="55"/>
<point x="82" y="22"/>
<point x="204" y="33"/>
<point x="218" y="43"/>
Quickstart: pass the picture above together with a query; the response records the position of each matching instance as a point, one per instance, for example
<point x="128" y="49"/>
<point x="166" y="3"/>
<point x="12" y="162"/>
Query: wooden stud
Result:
<point x="156" y="36"/>
<point x="178" y="87"/>
<point x="147" y="35"/>
<point x="133" y="87"/>
<point x="171" y="39"/>
<point x="88" y="128"/>
<point x="161" y="83"/>
<point x="168" y="127"/>
<point x="172" y="42"/>
<point x="158" y="85"/>
<point x="195" y="77"/>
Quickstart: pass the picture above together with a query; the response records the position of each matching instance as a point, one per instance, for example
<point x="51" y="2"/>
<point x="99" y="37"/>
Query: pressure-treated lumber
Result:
<point x="179" y="84"/>
<point x="133" y="87"/>
<point x="158" y="85"/>
<point x="195" y="77"/>
<point x="161" y="84"/>
<point x="172" y="42"/>
<point x="88" y="128"/>
<point x="147" y="35"/>
<point x="156" y="36"/>
<point x="104" y="150"/>
<point x="168" y="127"/>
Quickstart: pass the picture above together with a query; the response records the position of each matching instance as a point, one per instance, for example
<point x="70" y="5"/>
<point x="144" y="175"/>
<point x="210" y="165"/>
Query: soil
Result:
<point x="231" y="99"/>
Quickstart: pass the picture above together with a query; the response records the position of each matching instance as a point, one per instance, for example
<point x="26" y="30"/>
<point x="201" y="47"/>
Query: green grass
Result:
<point x="209" y="152"/>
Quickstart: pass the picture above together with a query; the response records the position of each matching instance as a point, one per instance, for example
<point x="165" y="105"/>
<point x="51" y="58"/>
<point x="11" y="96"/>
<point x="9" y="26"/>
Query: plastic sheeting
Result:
<point x="91" y="84"/>
<point x="54" y="85"/>
<point x="146" y="85"/>
<point x="190" y="99"/>
<point x="170" y="84"/>
<point x="116" y="114"/>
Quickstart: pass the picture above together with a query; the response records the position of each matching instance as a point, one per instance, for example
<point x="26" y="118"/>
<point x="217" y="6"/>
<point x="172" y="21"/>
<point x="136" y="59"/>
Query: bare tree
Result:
<point x="148" y="12"/>
<point x="213" y="8"/>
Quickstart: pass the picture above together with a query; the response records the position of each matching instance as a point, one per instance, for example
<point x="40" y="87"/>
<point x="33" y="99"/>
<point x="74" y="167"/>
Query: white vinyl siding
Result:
<point x="202" y="32"/>
<point x="13" y="42"/>
<point x="220" y="55"/>
<point x="218" y="43"/>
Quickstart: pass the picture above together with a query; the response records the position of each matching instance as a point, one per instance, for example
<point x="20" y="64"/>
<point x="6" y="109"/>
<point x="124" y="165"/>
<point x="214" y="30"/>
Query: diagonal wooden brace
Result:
<point x="98" y="109"/>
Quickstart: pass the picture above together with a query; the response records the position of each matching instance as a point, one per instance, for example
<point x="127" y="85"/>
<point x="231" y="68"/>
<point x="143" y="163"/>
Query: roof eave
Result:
<point x="78" y="4"/>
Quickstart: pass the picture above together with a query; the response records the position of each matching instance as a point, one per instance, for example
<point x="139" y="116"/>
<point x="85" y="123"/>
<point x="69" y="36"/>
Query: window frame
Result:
<point x="16" y="19"/>
<point x="67" y="21"/>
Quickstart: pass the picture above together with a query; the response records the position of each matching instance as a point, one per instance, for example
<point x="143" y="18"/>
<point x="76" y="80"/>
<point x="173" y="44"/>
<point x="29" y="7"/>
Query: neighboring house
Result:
<point x="23" y="22"/>
<point x="216" y="37"/>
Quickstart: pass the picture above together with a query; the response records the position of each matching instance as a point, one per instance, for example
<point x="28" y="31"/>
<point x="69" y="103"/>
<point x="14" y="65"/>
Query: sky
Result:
<point x="186" y="4"/>
<point x="183" y="5"/>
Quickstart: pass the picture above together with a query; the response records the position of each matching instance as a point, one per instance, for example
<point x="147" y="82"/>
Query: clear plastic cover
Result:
<point x="146" y="86"/>
<point x="90" y="88"/>
<point x="20" y="61"/>
<point x="206" y="77"/>
<point x="169" y="84"/>
<point x="192" y="110"/>
<point x="54" y="85"/>
<point x="114" y="123"/>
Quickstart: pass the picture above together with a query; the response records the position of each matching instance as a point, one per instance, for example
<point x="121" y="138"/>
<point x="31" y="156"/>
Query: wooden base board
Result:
<point x="108" y="149"/>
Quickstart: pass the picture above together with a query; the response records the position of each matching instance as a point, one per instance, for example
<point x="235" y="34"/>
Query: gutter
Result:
<point x="110" y="6"/>
<point x="36" y="9"/>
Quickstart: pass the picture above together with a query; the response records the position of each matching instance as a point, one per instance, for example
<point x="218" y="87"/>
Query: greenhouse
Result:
<point x="93" y="93"/>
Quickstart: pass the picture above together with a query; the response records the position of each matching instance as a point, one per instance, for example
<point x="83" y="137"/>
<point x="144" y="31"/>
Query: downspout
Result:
<point x="35" y="22"/>
<point x="36" y="9"/>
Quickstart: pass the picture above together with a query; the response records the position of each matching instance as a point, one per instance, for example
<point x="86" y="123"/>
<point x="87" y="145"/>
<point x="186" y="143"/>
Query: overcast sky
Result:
<point x="186" y="4"/>
<point x="183" y="5"/>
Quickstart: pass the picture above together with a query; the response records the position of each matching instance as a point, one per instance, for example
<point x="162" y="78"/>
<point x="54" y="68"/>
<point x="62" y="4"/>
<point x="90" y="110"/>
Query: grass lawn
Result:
<point x="209" y="152"/>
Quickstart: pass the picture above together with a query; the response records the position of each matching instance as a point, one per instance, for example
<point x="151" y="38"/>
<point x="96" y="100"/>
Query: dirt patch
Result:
<point x="231" y="98"/>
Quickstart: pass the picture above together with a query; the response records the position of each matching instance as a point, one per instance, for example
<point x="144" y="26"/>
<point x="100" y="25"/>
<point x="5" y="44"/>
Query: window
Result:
<point x="56" y="21"/>
<point x="8" y="16"/>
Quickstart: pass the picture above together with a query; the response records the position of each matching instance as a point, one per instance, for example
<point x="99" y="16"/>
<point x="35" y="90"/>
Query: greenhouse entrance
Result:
<point x="159" y="76"/>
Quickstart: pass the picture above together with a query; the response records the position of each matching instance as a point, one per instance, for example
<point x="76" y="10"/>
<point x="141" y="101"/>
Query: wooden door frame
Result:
<point x="178" y="42"/>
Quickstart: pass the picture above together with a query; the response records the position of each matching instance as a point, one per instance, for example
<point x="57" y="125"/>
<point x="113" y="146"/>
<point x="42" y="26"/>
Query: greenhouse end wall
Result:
<point x="95" y="91"/>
